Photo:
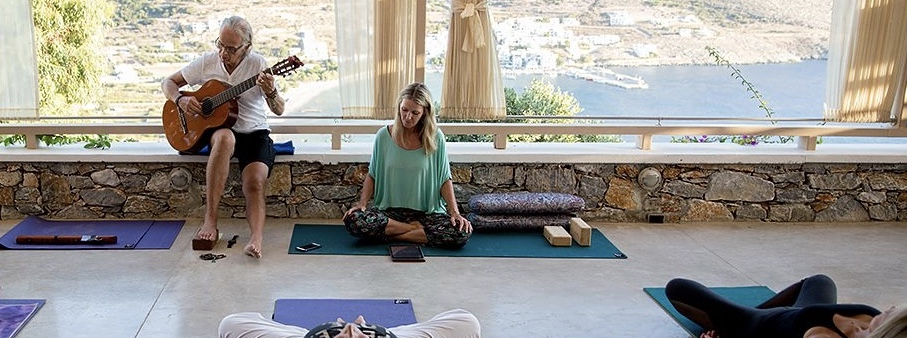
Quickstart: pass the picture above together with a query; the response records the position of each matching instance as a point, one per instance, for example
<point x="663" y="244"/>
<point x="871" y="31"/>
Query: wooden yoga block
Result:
<point x="557" y="236"/>
<point x="581" y="232"/>
<point x="200" y="244"/>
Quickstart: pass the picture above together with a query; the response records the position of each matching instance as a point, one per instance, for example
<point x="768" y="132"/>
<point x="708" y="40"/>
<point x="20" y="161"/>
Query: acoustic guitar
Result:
<point x="186" y="132"/>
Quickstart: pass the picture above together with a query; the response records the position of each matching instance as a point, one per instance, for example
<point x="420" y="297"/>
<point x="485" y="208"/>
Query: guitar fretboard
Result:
<point x="215" y="101"/>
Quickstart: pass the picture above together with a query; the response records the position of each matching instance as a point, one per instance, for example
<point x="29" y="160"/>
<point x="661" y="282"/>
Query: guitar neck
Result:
<point x="281" y="69"/>
<point x="234" y="91"/>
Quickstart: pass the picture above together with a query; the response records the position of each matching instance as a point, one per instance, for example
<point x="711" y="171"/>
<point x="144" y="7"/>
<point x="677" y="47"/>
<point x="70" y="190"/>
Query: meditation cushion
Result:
<point x="516" y="222"/>
<point x="525" y="203"/>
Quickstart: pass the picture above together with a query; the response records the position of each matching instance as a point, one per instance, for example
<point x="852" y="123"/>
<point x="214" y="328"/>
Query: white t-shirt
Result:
<point x="253" y="110"/>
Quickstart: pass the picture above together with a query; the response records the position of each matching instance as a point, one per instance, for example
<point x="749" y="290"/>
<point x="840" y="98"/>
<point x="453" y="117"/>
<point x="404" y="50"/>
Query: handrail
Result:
<point x="656" y="119"/>
<point x="807" y="134"/>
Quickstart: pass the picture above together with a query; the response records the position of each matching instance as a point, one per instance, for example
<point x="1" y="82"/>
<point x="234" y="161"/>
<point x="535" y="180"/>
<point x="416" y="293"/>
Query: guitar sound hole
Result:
<point x="207" y="107"/>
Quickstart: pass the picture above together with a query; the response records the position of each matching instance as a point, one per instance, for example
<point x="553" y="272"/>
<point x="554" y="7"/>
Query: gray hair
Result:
<point x="240" y="26"/>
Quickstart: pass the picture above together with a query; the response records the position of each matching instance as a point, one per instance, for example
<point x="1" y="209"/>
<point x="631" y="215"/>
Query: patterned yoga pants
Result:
<point x="371" y="223"/>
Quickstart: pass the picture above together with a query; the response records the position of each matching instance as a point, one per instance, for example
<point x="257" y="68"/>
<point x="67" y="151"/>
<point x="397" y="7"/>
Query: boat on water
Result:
<point x="609" y="77"/>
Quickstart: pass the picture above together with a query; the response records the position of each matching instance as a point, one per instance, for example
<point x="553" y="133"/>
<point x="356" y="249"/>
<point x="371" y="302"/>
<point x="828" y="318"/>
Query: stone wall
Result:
<point x="613" y="192"/>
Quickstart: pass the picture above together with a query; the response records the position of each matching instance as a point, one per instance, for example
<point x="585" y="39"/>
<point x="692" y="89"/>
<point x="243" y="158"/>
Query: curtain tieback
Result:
<point x="474" y="31"/>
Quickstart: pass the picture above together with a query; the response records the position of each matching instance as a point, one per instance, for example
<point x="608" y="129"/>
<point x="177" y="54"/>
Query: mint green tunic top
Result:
<point x="408" y="178"/>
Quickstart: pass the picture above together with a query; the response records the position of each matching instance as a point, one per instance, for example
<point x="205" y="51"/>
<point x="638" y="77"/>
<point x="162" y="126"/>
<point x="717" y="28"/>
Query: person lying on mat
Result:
<point x="248" y="139"/>
<point x="806" y="309"/>
<point x="456" y="323"/>
<point x="409" y="179"/>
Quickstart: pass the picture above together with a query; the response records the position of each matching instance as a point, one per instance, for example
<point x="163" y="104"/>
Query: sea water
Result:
<point x="790" y="90"/>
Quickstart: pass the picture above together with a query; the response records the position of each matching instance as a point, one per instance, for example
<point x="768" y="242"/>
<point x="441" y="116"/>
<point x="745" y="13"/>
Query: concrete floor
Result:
<point x="172" y="293"/>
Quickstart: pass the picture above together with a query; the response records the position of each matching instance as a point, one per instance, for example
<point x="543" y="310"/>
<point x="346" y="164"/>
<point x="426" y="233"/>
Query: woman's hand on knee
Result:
<point x="460" y="222"/>
<point x="347" y="214"/>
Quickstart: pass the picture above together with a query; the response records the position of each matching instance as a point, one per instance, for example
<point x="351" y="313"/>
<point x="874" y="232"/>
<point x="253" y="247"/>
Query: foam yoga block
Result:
<point x="557" y="236"/>
<point x="580" y="231"/>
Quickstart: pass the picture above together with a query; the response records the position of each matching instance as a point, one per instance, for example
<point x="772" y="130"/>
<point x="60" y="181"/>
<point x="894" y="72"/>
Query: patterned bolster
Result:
<point x="516" y="222"/>
<point x="522" y="203"/>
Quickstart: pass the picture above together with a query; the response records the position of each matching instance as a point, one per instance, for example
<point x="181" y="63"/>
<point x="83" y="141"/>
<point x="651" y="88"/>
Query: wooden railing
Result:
<point x="806" y="135"/>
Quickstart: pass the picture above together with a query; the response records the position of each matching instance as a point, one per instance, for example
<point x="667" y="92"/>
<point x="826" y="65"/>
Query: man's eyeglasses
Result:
<point x="227" y="49"/>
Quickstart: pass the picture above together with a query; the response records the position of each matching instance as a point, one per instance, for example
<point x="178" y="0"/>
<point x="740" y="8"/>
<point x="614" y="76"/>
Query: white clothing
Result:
<point x="253" y="109"/>
<point x="455" y="323"/>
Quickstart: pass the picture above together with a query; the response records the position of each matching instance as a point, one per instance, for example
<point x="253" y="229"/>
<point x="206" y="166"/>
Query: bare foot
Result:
<point x="253" y="250"/>
<point x="416" y="225"/>
<point x="208" y="232"/>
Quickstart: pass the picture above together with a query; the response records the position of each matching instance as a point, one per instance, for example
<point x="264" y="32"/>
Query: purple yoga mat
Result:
<point x="131" y="234"/>
<point x="15" y="313"/>
<point x="308" y="313"/>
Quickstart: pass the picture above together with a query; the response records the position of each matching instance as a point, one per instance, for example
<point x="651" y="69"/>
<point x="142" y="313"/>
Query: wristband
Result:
<point x="272" y="94"/>
<point x="178" y="98"/>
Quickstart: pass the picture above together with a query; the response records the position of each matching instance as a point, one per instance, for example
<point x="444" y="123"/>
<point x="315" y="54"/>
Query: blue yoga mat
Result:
<point x="335" y="240"/>
<point x="744" y="295"/>
<point x="131" y="234"/>
<point x="15" y="313"/>
<point x="308" y="313"/>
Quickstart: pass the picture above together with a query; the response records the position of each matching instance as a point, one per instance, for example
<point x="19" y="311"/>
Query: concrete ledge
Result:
<point x="359" y="152"/>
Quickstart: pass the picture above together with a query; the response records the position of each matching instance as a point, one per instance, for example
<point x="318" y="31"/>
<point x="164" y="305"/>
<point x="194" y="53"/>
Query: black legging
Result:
<point x="808" y="303"/>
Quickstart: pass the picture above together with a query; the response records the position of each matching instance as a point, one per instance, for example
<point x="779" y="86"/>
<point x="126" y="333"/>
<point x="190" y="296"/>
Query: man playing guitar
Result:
<point x="248" y="139"/>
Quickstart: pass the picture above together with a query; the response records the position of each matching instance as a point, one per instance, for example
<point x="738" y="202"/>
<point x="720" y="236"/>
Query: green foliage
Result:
<point x="101" y="142"/>
<point x="319" y="71"/>
<point x="13" y="139"/>
<point x="755" y="95"/>
<point x="91" y="142"/>
<point x="131" y="12"/>
<point x="68" y="40"/>
<point x="68" y="37"/>
<point x="539" y="98"/>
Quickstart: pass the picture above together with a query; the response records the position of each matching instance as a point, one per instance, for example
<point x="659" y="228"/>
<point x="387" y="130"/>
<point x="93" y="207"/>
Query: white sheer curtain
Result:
<point x="19" y="72"/>
<point x="867" y="63"/>
<point x="355" y="49"/>
<point x="473" y="88"/>
<point x="395" y="52"/>
<point x="376" y="55"/>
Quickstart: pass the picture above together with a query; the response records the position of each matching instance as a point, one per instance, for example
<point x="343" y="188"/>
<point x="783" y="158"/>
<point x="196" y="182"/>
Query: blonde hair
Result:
<point x="895" y="326"/>
<point x="427" y="125"/>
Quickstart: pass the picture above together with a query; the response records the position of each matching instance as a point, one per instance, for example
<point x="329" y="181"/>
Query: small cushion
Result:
<point x="516" y="222"/>
<point x="523" y="203"/>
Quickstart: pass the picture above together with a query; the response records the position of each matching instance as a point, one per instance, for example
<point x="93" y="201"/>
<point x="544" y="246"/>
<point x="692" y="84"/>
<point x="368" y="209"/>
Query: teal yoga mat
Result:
<point x="335" y="240"/>
<point x="745" y="295"/>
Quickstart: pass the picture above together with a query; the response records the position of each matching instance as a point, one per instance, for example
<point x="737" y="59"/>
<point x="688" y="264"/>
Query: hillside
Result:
<point x="743" y="31"/>
<point x="746" y="31"/>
